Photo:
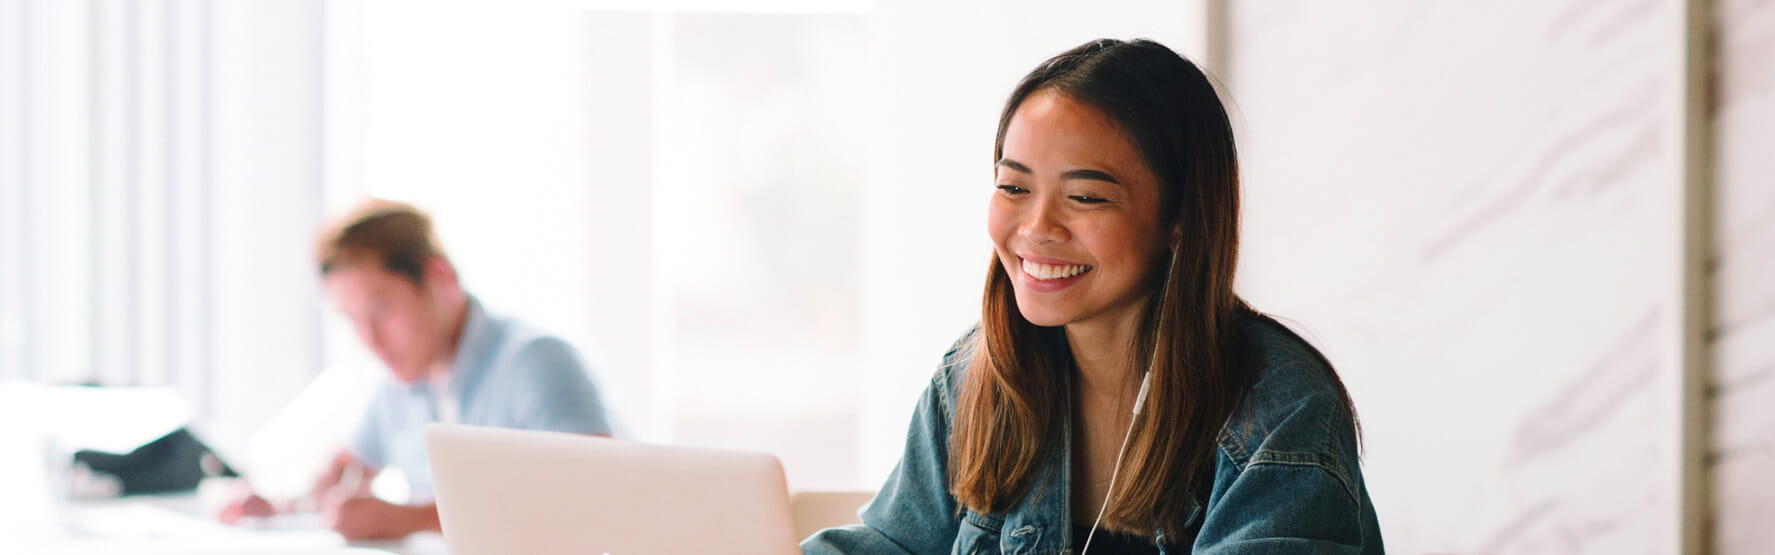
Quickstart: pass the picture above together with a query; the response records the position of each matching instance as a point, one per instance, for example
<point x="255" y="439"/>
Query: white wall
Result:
<point x="1477" y="211"/>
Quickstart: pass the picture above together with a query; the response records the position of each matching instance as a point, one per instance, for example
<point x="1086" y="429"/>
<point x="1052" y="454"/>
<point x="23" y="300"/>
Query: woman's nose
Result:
<point x="1042" y="224"/>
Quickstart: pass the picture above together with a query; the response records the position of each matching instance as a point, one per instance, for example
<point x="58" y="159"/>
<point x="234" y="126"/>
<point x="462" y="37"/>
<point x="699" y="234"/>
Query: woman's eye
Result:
<point x="1082" y="199"/>
<point x="1012" y="189"/>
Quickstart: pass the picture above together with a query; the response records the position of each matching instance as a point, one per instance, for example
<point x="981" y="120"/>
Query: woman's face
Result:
<point x="1075" y="220"/>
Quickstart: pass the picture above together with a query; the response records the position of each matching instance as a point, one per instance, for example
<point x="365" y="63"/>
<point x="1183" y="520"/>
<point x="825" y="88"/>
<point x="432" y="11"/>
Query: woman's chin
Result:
<point x="1044" y="316"/>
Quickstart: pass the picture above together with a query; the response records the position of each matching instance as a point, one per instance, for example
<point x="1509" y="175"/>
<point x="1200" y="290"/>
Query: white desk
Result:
<point x="175" y="524"/>
<point x="33" y="521"/>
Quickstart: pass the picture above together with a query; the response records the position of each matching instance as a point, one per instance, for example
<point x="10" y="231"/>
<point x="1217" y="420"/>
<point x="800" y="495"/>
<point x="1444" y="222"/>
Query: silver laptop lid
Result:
<point x="513" y="491"/>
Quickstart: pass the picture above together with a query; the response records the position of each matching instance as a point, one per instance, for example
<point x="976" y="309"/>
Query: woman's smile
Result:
<point x="1046" y="275"/>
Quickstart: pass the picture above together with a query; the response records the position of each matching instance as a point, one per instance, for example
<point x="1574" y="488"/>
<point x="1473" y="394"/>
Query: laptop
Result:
<point x="502" y="491"/>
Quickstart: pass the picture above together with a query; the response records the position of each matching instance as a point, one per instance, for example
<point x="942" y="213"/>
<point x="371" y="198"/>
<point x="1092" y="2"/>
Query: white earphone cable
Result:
<point x="1117" y="470"/>
<point x="1139" y="403"/>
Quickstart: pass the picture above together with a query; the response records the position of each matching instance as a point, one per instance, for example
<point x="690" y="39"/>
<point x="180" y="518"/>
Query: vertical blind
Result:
<point x="159" y="180"/>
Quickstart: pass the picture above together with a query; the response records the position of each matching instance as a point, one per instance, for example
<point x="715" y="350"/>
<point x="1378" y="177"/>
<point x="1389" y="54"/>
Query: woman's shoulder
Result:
<point x="1283" y="360"/>
<point x="1296" y="411"/>
<point x="954" y="367"/>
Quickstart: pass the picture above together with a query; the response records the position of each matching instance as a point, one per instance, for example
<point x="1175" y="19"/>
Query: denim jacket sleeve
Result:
<point x="913" y="512"/>
<point x="1287" y="477"/>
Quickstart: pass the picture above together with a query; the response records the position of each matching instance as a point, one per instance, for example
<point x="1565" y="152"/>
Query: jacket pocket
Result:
<point x="978" y="535"/>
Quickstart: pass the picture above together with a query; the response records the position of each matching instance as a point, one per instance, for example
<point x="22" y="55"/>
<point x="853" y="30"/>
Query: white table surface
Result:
<point x="157" y="524"/>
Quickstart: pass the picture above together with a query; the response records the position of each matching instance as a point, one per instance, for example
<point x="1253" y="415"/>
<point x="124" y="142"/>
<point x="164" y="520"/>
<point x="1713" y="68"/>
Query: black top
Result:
<point x="1111" y="542"/>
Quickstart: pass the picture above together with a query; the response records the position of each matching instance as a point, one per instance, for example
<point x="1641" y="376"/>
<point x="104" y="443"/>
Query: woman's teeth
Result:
<point x="1048" y="271"/>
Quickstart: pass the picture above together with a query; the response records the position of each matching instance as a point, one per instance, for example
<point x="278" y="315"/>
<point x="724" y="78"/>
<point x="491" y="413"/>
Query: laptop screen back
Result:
<point x="513" y="491"/>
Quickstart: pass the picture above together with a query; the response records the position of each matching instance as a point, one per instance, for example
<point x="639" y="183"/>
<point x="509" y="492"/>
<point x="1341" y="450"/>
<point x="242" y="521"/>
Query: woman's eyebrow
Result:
<point x="1093" y="175"/>
<point x="1013" y="165"/>
<point x="1088" y="174"/>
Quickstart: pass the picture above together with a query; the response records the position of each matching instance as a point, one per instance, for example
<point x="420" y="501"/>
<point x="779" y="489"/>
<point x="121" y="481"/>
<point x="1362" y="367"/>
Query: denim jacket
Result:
<point x="1286" y="478"/>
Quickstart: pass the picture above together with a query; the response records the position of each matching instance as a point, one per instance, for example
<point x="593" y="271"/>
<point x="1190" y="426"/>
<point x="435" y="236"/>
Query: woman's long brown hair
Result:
<point x="1019" y="381"/>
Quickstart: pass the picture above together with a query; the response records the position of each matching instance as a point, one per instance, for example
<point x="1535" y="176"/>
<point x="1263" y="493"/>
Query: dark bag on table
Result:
<point x="175" y="462"/>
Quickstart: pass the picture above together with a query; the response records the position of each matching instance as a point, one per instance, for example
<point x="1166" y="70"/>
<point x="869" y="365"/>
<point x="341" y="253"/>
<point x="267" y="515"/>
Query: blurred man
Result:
<point x="451" y="361"/>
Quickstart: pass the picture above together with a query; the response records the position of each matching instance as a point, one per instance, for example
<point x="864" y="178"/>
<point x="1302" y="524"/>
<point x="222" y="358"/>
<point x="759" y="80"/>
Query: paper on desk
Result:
<point x="26" y="507"/>
<point x="285" y="455"/>
<point x="110" y="419"/>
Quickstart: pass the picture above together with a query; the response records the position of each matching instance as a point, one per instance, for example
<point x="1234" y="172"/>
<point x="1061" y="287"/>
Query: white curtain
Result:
<point x="160" y="178"/>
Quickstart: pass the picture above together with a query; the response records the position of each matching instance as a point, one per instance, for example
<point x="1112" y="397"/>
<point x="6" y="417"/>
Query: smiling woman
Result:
<point x="1064" y="218"/>
<point x="1116" y="380"/>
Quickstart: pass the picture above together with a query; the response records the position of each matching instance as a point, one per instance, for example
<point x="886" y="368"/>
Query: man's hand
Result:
<point x="369" y="518"/>
<point x="244" y="504"/>
<point x="343" y="475"/>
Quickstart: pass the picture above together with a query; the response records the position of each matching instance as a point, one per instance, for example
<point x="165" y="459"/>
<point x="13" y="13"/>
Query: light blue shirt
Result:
<point x="505" y="375"/>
